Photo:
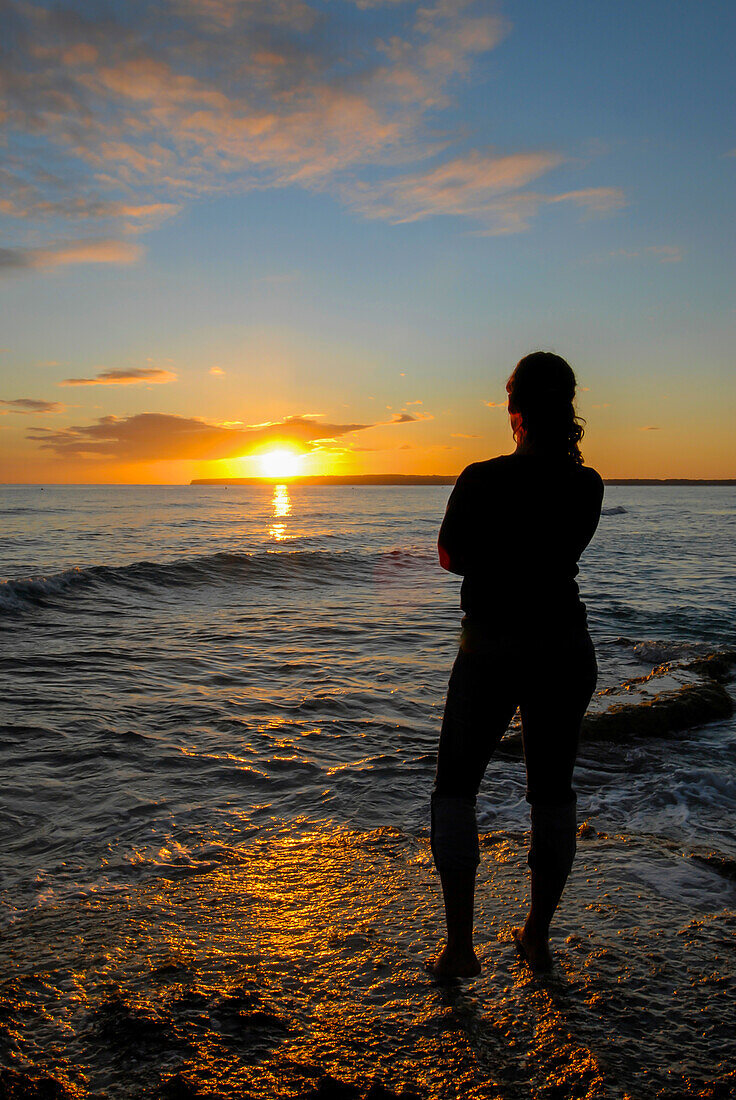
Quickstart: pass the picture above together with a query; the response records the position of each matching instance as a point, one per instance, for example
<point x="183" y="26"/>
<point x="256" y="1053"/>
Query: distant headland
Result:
<point x="428" y="479"/>
<point x="334" y="479"/>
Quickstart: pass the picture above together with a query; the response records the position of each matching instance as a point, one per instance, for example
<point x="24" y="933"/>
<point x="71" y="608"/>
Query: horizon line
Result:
<point x="351" y="479"/>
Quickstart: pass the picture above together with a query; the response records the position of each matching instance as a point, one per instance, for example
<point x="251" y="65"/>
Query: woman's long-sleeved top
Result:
<point x="514" y="529"/>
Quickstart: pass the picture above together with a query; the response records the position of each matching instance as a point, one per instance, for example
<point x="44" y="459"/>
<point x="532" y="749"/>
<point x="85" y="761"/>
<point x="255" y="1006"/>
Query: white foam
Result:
<point x="682" y="880"/>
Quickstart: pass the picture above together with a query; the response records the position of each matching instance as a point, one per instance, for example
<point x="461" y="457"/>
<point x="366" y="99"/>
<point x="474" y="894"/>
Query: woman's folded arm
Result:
<point x="452" y="542"/>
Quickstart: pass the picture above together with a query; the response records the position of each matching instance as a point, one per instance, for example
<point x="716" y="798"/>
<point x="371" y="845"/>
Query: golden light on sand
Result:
<point x="279" y="462"/>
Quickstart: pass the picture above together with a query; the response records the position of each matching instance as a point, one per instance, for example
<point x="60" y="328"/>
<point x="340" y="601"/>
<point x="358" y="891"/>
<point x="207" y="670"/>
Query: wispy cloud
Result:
<point x="483" y="187"/>
<point x="31" y="405"/>
<point x="71" y="252"/>
<point x="151" y="437"/>
<point x="135" y="377"/>
<point x="466" y="185"/>
<point x="217" y="371"/>
<point x="650" y="428"/>
<point x="133" y="116"/>
<point x="193" y="96"/>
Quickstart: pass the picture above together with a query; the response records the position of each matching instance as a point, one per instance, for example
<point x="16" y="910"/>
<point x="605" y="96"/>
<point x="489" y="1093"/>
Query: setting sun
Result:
<point x="280" y="462"/>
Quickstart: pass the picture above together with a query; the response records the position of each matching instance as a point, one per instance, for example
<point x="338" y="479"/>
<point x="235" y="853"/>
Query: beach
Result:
<point x="296" y="970"/>
<point x="220" y="720"/>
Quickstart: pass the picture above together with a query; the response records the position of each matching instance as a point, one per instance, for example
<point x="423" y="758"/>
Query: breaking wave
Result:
<point x="270" y="568"/>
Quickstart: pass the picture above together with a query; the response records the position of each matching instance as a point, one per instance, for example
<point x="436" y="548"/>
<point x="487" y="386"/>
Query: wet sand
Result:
<point x="297" y="971"/>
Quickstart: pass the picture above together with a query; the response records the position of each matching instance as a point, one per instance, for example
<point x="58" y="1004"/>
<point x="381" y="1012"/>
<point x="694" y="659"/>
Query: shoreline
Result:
<point x="296" y="970"/>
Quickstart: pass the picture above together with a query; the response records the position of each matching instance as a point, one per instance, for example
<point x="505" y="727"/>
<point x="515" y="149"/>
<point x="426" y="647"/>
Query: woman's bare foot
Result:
<point x="534" y="949"/>
<point x="454" y="964"/>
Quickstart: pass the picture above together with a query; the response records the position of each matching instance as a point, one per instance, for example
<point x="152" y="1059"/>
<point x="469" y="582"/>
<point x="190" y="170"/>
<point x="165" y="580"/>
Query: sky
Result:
<point x="330" y="228"/>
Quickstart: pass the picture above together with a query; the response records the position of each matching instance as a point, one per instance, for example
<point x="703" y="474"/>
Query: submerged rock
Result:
<point x="124" y="1022"/>
<point x="329" y="1088"/>
<point x="377" y="1091"/>
<point x="20" y="1085"/>
<point x="178" y="1087"/>
<point x="662" y="715"/>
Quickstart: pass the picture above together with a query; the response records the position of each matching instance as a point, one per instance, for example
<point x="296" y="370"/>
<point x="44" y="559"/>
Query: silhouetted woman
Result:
<point x="514" y="529"/>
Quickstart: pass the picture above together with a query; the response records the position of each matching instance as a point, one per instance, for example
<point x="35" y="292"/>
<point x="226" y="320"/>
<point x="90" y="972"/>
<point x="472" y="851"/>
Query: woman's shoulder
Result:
<point x="489" y="468"/>
<point x="519" y="468"/>
<point x="592" y="477"/>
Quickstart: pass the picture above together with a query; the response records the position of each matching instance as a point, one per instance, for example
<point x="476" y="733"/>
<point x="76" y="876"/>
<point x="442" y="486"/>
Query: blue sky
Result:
<point x="359" y="215"/>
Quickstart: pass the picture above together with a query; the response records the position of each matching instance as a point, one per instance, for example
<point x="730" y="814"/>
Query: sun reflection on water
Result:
<point x="299" y="958"/>
<point x="281" y="505"/>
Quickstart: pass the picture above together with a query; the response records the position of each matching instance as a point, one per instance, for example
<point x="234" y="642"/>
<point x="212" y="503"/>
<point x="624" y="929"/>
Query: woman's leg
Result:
<point x="479" y="707"/>
<point x="552" y="710"/>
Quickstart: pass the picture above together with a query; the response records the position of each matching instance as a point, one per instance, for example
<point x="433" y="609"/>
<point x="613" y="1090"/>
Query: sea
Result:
<point x="220" y="714"/>
<point x="186" y="668"/>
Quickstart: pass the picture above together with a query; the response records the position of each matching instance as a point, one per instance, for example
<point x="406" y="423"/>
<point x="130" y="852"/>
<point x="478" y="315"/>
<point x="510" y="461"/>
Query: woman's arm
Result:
<point x="452" y="542"/>
<point x="591" y="513"/>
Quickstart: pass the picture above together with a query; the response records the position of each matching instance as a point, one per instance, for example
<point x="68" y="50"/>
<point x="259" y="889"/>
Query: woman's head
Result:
<point x="541" y="394"/>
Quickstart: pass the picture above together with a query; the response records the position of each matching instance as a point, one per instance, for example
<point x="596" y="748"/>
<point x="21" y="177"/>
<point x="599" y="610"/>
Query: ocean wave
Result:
<point x="269" y="568"/>
<point x="615" y="511"/>
<point x="24" y="510"/>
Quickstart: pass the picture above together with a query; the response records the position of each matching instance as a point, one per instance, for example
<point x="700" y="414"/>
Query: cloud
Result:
<point x="650" y="428"/>
<point x="31" y="405"/>
<point x="134" y="217"/>
<point x="514" y="213"/>
<point x="194" y="96"/>
<point x="134" y="377"/>
<point x="134" y="116"/>
<point x="227" y="13"/>
<point x="73" y="252"/>
<point x="596" y="200"/>
<point x="218" y="371"/>
<point x="483" y="187"/>
<point x="496" y="404"/>
<point x="152" y="437"/>
<point x="466" y="185"/>
<point x="376" y="3"/>
<point x="409" y="418"/>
